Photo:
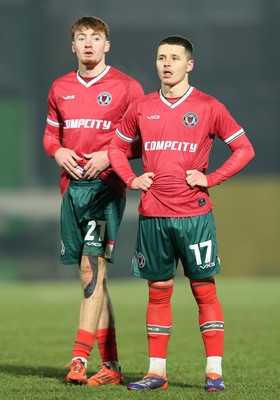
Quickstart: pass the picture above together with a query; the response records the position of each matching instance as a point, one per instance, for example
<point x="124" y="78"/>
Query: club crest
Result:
<point x="141" y="260"/>
<point x="104" y="98"/>
<point x="190" y="119"/>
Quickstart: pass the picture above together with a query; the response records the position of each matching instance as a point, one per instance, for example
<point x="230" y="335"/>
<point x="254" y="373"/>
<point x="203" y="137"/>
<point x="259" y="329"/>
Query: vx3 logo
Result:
<point x="153" y="116"/>
<point x="72" y="97"/>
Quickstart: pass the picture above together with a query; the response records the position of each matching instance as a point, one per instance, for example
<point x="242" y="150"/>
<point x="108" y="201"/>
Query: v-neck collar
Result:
<point x="94" y="80"/>
<point x="178" y="102"/>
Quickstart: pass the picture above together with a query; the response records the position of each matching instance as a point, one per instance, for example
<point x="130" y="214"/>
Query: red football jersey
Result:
<point x="177" y="137"/>
<point x="83" y="115"/>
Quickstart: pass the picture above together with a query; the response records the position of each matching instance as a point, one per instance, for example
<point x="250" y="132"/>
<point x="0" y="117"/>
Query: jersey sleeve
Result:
<point x="233" y="135"/>
<point x="126" y="135"/>
<point x="53" y="131"/>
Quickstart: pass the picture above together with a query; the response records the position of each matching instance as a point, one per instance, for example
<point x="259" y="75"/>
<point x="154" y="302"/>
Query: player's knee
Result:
<point x="204" y="292"/>
<point x="160" y="294"/>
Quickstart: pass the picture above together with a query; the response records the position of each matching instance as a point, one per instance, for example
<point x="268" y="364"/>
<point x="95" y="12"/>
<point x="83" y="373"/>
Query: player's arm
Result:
<point x="52" y="139"/>
<point x="136" y="93"/>
<point x="118" y="157"/>
<point x="134" y="150"/>
<point x="242" y="154"/>
<point x="119" y="151"/>
<point x="64" y="157"/>
<point x="99" y="160"/>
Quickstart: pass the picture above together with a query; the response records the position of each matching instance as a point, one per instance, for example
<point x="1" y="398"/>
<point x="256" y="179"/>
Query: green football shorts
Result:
<point x="162" y="242"/>
<point x="91" y="213"/>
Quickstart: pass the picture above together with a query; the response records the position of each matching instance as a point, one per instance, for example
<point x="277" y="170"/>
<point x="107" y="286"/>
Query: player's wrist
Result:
<point x="129" y="181"/>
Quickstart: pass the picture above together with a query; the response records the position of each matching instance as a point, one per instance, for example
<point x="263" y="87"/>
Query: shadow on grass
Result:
<point x="60" y="373"/>
<point x="40" y="371"/>
<point x="51" y="372"/>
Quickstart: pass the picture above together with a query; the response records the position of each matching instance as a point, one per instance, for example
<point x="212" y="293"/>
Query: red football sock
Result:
<point x="211" y="319"/>
<point x="159" y="319"/>
<point x="107" y="344"/>
<point x="83" y="344"/>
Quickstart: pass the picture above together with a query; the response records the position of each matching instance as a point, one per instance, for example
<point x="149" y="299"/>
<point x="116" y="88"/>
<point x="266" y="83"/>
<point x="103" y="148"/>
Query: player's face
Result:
<point x="90" y="47"/>
<point x="173" y="64"/>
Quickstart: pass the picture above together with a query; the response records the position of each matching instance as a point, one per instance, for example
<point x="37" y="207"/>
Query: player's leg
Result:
<point x="201" y="262"/>
<point x="93" y="275"/>
<point x="149" y="263"/>
<point x="158" y="324"/>
<point x="96" y="240"/>
<point x="110" y="372"/>
<point x="71" y="248"/>
<point x="111" y="206"/>
<point x="211" y="323"/>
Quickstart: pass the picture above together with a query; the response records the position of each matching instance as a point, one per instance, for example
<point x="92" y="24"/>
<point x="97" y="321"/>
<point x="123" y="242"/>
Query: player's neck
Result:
<point x="91" y="71"/>
<point x="175" y="91"/>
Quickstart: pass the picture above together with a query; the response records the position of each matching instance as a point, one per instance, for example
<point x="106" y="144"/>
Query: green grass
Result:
<point x="39" y="323"/>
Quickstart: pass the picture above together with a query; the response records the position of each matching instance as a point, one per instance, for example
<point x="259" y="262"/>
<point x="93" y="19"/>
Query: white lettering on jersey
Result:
<point x="170" y="144"/>
<point x="87" y="124"/>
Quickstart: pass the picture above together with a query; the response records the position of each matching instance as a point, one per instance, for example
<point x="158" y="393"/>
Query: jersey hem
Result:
<point x="176" y="215"/>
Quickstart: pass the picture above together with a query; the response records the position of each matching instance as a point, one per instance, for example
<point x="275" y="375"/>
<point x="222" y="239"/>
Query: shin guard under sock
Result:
<point x="211" y="319"/>
<point x="159" y="319"/>
<point x="107" y="345"/>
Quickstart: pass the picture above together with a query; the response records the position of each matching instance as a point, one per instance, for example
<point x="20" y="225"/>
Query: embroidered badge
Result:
<point x="190" y="119"/>
<point x="104" y="98"/>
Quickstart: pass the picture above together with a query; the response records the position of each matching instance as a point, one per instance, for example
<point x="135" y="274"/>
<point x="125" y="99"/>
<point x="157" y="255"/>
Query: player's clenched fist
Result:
<point x="143" y="182"/>
<point x="196" y="178"/>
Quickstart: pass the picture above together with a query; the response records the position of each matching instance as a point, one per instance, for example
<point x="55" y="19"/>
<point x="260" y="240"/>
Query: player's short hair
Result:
<point x="97" y="24"/>
<point x="179" y="41"/>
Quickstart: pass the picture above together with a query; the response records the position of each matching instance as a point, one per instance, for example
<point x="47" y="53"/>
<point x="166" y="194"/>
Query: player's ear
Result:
<point x="190" y="65"/>
<point x="73" y="47"/>
<point x="107" y="46"/>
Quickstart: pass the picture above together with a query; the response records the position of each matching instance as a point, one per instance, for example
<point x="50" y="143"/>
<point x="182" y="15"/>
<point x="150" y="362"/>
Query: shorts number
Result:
<point x="92" y="225"/>
<point x="197" y="251"/>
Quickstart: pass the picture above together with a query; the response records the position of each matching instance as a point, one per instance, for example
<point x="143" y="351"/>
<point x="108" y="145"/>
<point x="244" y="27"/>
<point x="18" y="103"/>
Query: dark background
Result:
<point x="236" y="60"/>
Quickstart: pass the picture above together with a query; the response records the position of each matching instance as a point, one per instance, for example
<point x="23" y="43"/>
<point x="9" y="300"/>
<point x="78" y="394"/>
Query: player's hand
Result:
<point x="68" y="160"/>
<point x="143" y="182"/>
<point x="98" y="162"/>
<point x="196" y="178"/>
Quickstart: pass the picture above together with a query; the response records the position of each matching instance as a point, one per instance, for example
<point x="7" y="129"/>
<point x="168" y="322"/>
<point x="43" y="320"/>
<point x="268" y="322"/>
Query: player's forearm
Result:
<point x="51" y="144"/>
<point x="120" y="163"/>
<point x="243" y="153"/>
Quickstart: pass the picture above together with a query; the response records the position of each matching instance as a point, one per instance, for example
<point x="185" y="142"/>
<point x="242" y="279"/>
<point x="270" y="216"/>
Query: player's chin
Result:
<point x="89" y="62"/>
<point x="167" y="81"/>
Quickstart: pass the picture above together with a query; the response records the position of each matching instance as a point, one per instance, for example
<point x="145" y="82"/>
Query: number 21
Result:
<point x="93" y="225"/>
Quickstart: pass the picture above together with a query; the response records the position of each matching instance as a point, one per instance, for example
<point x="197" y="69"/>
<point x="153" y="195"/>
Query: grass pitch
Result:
<point x="39" y="324"/>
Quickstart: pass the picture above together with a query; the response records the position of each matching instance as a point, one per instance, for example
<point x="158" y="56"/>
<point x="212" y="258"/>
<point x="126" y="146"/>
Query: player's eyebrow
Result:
<point x="166" y="55"/>
<point x="82" y="33"/>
